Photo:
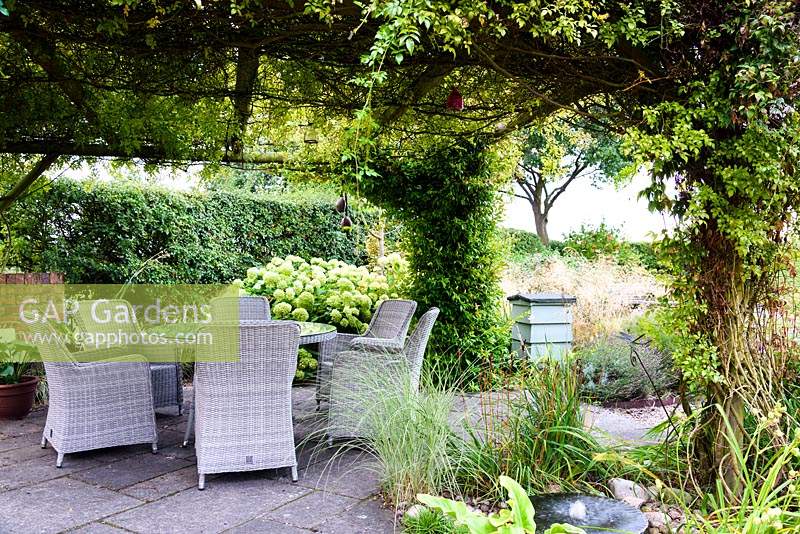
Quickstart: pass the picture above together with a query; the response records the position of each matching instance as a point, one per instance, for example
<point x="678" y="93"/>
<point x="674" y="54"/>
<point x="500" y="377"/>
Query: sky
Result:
<point x="583" y="203"/>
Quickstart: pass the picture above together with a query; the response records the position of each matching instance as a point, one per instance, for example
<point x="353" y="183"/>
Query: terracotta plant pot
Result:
<point x="16" y="400"/>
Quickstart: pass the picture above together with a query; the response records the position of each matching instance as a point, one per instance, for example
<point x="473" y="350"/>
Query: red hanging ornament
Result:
<point x="455" y="101"/>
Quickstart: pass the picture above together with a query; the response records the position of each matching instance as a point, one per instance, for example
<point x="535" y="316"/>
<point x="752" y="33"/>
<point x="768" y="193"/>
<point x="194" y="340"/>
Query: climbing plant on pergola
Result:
<point x="704" y="92"/>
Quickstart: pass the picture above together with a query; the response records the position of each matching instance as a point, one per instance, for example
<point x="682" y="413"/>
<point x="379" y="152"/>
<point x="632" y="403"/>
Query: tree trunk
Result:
<point x="540" y="218"/>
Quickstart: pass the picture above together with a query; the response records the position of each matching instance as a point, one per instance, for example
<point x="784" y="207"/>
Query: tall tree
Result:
<point x="556" y="153"/>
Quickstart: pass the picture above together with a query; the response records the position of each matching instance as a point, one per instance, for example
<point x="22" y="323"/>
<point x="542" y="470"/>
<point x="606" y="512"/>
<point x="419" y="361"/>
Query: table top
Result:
<point x="315" y="332"/>
<point x="310" y="332"/>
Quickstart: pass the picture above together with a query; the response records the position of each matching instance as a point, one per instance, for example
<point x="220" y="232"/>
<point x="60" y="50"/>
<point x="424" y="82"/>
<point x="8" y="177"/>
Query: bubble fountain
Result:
<point x="596" y="515"/>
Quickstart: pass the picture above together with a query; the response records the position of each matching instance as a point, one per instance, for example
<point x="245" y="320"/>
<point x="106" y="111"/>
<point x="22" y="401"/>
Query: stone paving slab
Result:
<point x="164" y="485"/>
<point x="39" y="470"/>
<point x="129" y="471"/>
<point x="312" y="509"/>
<point x="352" y="474"/>
<point x="98" y="528"/>
<point x="367" y="517"/>
<point x="57" y="505"/>
<point x="262" y="525"/>
<point x="128" y="489"/>
<point x="225" y="503"/>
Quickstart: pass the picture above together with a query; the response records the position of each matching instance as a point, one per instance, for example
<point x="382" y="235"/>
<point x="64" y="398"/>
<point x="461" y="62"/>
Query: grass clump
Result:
<point x="540" y="440"/>
<point x="407" y="430"/>
<point x="428" y="521"/>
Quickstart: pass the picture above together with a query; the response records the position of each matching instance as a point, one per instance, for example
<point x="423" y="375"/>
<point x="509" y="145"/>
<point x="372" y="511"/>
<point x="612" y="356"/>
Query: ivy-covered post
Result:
<point x="730" y="141"/>
<point x="447" y="201"/>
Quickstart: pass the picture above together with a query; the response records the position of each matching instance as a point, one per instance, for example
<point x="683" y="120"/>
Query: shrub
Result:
<point x="306" y="365"/>
<point x="522" y="243"/>
<point x="98" y="232"/>
<point x="329" y="291"/>
<point x="592" y="243"/>
<point x="447" y="201"/>
<point x="610" y="375"/>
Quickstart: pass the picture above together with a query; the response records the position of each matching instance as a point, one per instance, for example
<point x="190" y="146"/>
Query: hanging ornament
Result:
<point x="455" y="101"/>
<point x="341" y="204"/>
<point x="310" y="136"/>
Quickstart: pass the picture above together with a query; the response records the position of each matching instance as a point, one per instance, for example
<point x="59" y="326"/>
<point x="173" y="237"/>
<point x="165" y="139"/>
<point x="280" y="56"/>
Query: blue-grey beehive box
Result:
<point x="542" y="324"/>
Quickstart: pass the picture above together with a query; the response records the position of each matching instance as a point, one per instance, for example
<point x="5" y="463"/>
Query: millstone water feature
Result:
<point x="595" y="515"/>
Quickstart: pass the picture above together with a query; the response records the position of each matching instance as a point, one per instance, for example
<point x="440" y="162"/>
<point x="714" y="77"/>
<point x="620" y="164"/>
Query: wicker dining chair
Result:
<point x="250" y="308"/>
<point x="243" y="408"/>
<point x="359" y="375"/>
<point x="224" y="309"/>
<point x="166" y="376"/>
<point x="386" y="332"/>
<point x="94" y="404"/>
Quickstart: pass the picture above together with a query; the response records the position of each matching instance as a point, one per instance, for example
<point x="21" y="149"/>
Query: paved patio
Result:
<point x="129" y="489"/>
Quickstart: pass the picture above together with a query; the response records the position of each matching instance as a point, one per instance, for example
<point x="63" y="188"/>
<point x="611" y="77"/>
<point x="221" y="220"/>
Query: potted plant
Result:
<point x="17" y="389"/>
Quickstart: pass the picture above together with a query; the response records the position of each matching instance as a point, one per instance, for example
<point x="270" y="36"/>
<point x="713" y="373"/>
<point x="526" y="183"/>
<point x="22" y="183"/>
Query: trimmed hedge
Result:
<point x="97" y="232"/>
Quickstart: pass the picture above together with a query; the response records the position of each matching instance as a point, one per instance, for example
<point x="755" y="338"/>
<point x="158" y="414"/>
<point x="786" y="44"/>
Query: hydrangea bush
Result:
<point x="306" y="365"/>
<point x="327" y="291"/>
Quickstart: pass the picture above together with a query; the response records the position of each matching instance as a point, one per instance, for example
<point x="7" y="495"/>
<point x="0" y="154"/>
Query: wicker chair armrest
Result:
<point x="102" y="354"/>
<point x="114" y="360"/>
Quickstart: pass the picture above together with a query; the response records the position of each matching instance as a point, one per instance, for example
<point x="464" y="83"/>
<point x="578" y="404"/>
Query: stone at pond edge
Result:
<point x="415" y="510"/>
<point x="658" y="521"/>
<point x="621" y="488"/>
<point x="636" y="502"/>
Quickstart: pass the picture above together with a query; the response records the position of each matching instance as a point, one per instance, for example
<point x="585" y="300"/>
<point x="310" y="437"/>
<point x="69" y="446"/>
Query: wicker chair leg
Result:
<point x="330" y="441"/>
<point x="294" y="473"/>
<point x="155" y="447"/>
<point x="201" y="482"/>
<point x="60" y="459"/>
<point x="44" y="442"/>
<point x="189" y="428"/>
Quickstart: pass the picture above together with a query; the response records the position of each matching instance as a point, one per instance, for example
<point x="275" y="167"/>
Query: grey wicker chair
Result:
<point x="243" y="409"/>
<point x="166" y="377"/>
<point x="224" y="309"/>
<point x="250" y="309"/>
<point x="359" y="375"/>
<point x="386" y="332"/>
<point x="98" y="404"/>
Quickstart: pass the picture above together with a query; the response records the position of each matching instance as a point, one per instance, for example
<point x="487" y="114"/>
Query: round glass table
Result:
<point x="310" y="333"/>
<point x="314" y="333"/>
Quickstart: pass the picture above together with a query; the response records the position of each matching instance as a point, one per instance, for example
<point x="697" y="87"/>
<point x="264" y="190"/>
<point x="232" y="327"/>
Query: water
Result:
<point x="596" y="515"/>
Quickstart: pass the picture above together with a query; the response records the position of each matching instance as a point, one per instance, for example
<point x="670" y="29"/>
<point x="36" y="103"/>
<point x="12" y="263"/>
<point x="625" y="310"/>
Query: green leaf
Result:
<point x="521" y="507"/>
<point x="457" y="510"/>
